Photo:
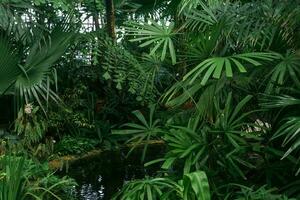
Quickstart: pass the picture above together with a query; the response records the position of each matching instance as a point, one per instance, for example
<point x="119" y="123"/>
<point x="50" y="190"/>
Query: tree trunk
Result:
<point x="110" y="18"/>
<point x="96" y="28"/>
<point x="96" y="21"/>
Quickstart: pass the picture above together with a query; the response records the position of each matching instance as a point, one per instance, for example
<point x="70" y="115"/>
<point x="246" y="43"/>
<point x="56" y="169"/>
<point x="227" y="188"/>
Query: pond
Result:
<point x="101" y="177"/>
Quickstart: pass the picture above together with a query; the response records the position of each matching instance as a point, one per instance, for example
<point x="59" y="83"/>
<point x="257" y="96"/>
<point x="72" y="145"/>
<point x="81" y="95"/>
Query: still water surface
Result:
<point x="101" y="177"/>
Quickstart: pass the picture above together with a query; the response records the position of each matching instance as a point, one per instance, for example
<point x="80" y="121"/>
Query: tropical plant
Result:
<point x="215" y="66"/>
<point x="159" y="35"/>
<point x="287" y="69"/>
<point x="262" y="193"/>
<point x="186" y="144"/>
<point x="29" y="126"/>
<point x="20" y="180"/>
<point x="27" y="73"/>
<point x="146" y="189"/>
<point x="74" y="145"/>
<point x="288" y="127"/>
<point x="144" y="131"/>
<point x="194" y="186"/>
<point x="222" y="141"/>
<point x="227" y="73"/>
<point x="124" y="70"/>
<point x="12" y="183"/>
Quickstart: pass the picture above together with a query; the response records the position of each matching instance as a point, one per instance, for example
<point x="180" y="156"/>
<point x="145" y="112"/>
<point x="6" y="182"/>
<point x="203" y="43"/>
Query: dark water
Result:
<point x="101" y="177"/>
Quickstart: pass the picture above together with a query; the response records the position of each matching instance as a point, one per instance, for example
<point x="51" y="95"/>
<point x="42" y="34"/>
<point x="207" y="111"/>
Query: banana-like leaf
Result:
<point x="196" y="185"/>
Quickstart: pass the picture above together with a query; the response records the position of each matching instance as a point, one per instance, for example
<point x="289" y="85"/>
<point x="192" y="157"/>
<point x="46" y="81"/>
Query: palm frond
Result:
<point x="287" y="69"/>
<point x="186" y="6"/>
<point x="145" y="130"/>
<point x="290" y="130"/>
<point x="278" y="101"/>
<point x="157" y="35"/>
<point x="201" y="19"/>
<point x="31" y="79"/>
<point x="214" y="67"/>
<point x="34" y="82"/>
<point x="9" y="64"/>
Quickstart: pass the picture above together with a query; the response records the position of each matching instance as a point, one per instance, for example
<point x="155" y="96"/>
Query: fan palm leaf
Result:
<point x="158" y="36"/>
<point x="9" y="64"/>
<point x="215" y="66"/>
<point x="144" y="131"/>
<point x="287" y="69"/>
<point x="291" y="130"/>
<point x="31" y="79"/>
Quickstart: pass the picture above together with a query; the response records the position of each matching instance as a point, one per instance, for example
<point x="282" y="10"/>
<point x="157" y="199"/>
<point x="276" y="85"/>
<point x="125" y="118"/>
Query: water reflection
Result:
<point x="88" y="193"/>
<point x="101" y="177"/>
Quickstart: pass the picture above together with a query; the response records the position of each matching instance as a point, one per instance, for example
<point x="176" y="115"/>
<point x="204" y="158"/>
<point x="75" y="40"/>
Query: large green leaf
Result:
<point x="278" y="101"/>
<point x="214" y="67"/>
<point x="288" y="69"/>
<point x="290" y="130"/>
<point x="12" y="183"/>
<point x="196" y="186"/>
<point x="193" y="186"/>
<point x="144" y="131"/>
<point x="31" y="79"/>
<point x="9" y="64"/>
<point x="158" y="36"/>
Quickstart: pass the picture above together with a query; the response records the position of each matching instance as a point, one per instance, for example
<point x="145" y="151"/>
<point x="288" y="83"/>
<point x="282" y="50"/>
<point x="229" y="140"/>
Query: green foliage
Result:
<point x="30" y="125"/>
<point x="230" y="137"/>
<point x="122" y="68"/>
<point x="229" y="75"/>
<point x="215" y="66"/>
<point x="23" y="179"/>
<point x="57" y="4"/>
<point x="146" y="189"/>
<point x="245" y="24"/>
<point x="75" y="145"/>
<point x="290" y="129"/>
<point x="185" y="144"/>
<point x="287" y="69"/>
<point x="144" y="131"/>
<point x="31" y="78"/>
<point x="194" y="186"/>
<point x="261" y="193"/>
<point x="12" y="183"/>
<point x="158" y="35"/>
<point x="277" y="101"/>
<point x="221" y="142"/>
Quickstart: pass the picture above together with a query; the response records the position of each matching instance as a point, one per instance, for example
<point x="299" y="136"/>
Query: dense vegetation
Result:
<point x="218" y="81"/>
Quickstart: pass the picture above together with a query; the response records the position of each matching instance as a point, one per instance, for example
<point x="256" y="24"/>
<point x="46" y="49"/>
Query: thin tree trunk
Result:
<point x="96" y="27"/>
<point x="110" y="18"/>
<point x="96" y="21"/>
<point x="110" y="25"/>
<point x="181" y="45"/>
